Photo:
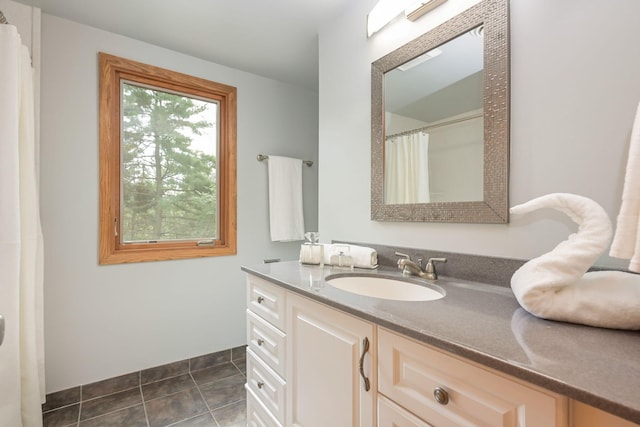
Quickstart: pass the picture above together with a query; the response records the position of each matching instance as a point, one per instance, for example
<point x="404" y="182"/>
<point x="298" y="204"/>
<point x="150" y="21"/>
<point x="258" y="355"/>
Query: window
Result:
<point x="167" y="164"/>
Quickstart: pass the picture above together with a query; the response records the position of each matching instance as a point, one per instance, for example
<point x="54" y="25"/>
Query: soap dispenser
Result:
<point x="342" y="260"/>
<point x="311" y="251"/>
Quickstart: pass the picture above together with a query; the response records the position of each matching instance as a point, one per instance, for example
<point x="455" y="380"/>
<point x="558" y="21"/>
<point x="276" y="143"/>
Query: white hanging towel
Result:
<point x="557" y="286"/>
<point x="626" y="241"/>
<point x="285" y="199"/>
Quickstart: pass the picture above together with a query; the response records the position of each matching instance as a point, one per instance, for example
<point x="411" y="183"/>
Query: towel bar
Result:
<point x="262" y="157"/>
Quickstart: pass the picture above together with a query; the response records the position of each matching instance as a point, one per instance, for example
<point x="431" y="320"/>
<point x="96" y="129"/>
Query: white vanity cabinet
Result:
<point x="443" y="390"/>
<point x="331" y="358"/>
<point x="306" y="362"/>
<point x="266" y="353"/>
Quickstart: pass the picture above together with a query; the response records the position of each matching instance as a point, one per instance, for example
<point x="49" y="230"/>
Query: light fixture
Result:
<point x="420" y="59"/>
<point x="421" y="7"/>
<point x="477" y="31"/>
<point x="381" y="14"/>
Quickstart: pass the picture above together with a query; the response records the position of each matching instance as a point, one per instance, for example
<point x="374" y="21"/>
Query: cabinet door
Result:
<point x="325" y="386"/>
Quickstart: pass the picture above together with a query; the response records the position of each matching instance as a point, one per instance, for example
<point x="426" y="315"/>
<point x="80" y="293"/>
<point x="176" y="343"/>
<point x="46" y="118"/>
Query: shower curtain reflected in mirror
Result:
<point x="406" y="172"/>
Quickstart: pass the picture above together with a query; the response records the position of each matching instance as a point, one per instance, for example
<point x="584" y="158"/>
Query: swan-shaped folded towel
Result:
<point x="556" y="285"/>
<point x="626" y="241"/>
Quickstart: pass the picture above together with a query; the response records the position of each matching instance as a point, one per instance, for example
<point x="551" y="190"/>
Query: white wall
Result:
<point x="102" y="321"/>
<point x="575" y="87"/>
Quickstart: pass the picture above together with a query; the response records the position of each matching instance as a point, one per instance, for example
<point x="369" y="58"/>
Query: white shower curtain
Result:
<point x="406" y="168"/>
<point x="21" y="244"/>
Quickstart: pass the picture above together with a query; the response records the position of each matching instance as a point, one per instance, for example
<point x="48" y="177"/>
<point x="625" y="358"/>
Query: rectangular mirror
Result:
<point x="440" y="125"/>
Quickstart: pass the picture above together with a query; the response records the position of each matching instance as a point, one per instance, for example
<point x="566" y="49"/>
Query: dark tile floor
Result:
<point x="206" y="391"/>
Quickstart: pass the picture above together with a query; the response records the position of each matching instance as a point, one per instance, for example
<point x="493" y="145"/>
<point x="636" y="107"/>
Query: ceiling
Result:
<point x="277" y="39"/>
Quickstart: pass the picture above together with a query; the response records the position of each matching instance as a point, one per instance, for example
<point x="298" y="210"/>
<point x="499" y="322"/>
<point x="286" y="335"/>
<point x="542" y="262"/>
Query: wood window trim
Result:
<point x="112" y="70"/>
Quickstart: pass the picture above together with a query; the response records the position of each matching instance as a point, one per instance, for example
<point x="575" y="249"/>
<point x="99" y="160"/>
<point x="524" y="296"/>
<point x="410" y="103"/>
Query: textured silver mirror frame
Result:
<point x="494" y="208"/>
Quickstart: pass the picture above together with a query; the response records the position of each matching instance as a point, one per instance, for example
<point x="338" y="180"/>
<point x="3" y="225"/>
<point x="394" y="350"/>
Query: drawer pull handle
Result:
<point x="365" y="349"/>
<point x="260" y="299"/>
<point x="260" y="384"/>
<point x="260" y="342"/>
<point x="441" y="395"/>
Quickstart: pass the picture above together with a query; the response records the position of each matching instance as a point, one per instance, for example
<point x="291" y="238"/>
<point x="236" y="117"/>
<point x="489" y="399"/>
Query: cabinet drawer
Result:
<point x="267" y="300"/>
<point x="257" y="414"/>
<point x="391" y="415"/>
<point x="266" y="385"/>
<point x="267" y="342"/>
<point x="583" y="415"/>
<point x="409" y="373"/>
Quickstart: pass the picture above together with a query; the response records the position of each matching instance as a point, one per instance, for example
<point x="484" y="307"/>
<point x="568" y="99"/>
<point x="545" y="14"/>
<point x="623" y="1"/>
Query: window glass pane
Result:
<point x="168" y="172"/>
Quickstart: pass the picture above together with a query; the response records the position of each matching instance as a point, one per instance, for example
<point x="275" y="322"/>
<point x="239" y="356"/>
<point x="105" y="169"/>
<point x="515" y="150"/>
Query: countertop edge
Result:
<point x="487" y="360"/>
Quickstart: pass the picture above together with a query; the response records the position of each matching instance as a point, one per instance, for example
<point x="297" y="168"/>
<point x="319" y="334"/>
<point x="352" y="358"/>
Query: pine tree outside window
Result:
<point x="167" y="164"/>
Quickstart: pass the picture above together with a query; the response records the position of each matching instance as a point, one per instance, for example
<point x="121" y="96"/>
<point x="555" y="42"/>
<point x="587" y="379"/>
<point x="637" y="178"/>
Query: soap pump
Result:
<point x="342" y="260"/>
<point x="312" y="252"/>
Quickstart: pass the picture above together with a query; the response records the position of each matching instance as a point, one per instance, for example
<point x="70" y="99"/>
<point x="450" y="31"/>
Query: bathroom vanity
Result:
<point x="318" y="355"/>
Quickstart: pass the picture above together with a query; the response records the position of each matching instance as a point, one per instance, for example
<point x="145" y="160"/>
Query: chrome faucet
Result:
<point x="410" y="267"/>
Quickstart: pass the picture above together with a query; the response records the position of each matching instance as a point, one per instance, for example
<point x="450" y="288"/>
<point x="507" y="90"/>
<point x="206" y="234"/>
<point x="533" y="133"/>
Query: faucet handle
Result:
<point x="430" y="269"/>
<point x="404" y="258"/>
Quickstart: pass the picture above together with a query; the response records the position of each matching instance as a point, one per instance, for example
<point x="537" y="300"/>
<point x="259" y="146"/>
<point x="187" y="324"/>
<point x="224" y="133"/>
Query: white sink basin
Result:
<point x="385" y="288"/>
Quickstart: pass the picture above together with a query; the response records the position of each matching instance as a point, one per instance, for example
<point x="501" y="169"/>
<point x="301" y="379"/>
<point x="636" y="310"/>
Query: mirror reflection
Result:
<point x="434" y="128"/>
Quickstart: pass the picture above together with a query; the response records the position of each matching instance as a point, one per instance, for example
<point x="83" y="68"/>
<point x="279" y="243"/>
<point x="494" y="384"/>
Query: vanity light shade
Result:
<point x="420" y="59"/>
<point x="383" y="12"/>
<point x="421" y="7"/>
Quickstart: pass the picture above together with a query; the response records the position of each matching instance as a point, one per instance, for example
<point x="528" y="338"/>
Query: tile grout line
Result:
<point x="140" y="381"/>
<point x="244" y="374"/>
<point x="110" y="412"/>
<point x="110" y="394"/>
<point x="79" y="407"/>
<point x="204" y="400"/>
<point x="115" y="410"/>
<point x="191" y="418"/>
<point x="228" y="404"/>
<point x="82" y="400"/>
<point x="144" y="405"/>
<point x="61" y="407"/>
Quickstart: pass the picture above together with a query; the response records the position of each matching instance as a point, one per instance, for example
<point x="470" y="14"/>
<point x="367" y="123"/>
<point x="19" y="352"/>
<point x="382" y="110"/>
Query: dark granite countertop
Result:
<point x="485" y="324"/>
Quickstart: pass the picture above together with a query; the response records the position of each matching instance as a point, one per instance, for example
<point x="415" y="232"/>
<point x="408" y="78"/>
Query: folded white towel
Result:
<point x="363" y="257"/>
<point x="285" y="199"/>
<point x="556" y="286"/>
<point x="626" y="242"/>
